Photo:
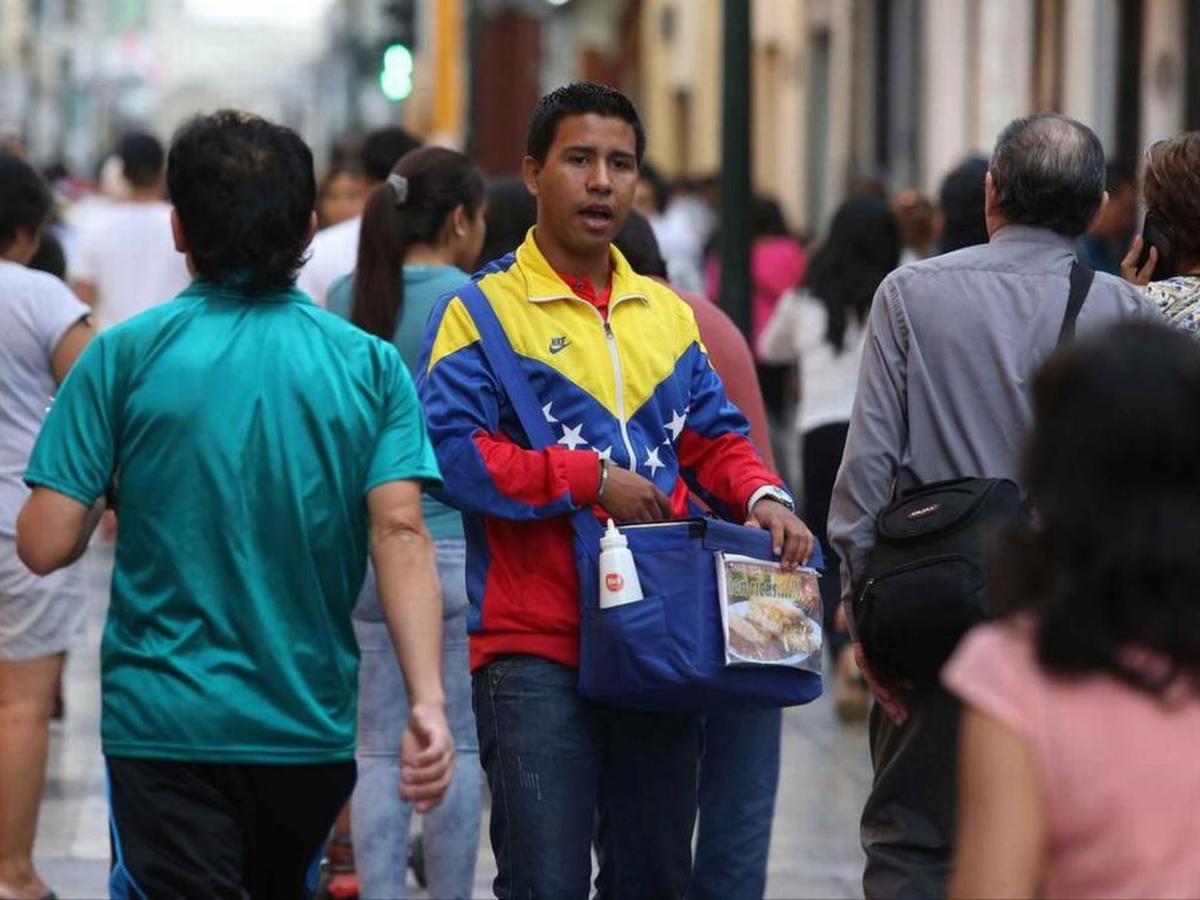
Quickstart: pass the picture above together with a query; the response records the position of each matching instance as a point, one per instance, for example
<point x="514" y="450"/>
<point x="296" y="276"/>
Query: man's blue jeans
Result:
<point x="565" y="771"/>
<point x="739" y="774"/>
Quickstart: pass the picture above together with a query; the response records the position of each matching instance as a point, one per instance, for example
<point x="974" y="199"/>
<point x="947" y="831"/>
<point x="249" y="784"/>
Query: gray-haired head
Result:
<point x="1048" y="170"/>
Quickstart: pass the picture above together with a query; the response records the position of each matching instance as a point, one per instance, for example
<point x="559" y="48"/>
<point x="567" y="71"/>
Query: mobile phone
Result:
<point x="1153" y="236"/>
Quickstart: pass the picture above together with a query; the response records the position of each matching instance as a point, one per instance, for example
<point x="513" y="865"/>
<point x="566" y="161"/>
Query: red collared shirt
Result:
<point x="584" y="290"/>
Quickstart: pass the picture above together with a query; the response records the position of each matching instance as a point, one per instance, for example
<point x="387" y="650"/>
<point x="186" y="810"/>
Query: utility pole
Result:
<point x="448" y="65"/>
<point x="735" y="185"/>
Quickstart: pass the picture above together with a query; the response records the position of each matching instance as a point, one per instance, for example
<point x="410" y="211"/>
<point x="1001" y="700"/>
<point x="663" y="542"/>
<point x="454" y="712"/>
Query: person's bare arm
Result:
<point x="53" y="530"/>
<point x="1001" y="829"/>
<point x="85" y="291"/>
<point x="410" y="596"/>
<point x="69" y="346"/>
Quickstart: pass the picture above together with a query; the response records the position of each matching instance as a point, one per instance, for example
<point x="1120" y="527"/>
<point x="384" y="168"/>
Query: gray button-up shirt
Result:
<point x="952" y="346"/>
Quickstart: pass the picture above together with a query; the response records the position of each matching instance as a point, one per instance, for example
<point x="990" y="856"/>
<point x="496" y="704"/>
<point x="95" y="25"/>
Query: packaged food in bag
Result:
<point x="770" y="617"/>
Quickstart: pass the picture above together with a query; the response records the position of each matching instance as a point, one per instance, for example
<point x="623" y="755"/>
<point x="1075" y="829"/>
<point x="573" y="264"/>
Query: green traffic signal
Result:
<point x="395" y="78"/>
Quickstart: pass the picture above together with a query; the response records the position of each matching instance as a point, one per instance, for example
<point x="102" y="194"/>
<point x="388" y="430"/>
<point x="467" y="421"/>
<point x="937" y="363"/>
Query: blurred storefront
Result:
<point x="894" y="90"/>
<point x="901" y="90"/>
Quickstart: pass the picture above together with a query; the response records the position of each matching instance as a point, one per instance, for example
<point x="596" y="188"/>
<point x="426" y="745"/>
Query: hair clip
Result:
<point x="399" y="186"/>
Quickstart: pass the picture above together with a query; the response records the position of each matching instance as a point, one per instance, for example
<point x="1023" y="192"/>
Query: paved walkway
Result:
<point x="814" y="848"/>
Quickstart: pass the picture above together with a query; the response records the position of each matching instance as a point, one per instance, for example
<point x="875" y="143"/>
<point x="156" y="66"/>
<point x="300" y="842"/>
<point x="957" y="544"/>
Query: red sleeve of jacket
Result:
<point x="537" y="478"/>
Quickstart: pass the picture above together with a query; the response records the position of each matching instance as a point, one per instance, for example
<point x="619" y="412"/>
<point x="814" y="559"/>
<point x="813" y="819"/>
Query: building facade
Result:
<point x="902" y="90"/>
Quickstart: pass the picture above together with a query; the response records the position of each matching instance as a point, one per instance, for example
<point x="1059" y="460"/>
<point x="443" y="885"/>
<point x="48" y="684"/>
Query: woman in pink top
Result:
<point x="1079" y="768"/>
<point x="777" y="264"/>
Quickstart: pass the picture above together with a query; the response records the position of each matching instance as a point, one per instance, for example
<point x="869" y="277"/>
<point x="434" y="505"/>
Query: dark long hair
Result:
<point x="438" y="182"/>
<point x="1113" y="469"/>
<point x="863" y="245"/>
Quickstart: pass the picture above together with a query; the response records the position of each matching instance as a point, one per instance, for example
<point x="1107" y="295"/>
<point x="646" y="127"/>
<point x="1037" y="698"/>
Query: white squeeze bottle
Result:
<point x="618" y="576"/>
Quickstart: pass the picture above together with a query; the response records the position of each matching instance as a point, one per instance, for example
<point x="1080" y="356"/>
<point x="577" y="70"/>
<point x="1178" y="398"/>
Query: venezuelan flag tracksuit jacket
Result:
<point x="636" y="390"/>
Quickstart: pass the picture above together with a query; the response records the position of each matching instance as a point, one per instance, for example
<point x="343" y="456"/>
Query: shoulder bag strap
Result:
<point x="506" y="367"/>
<point x="1081" y="283"/>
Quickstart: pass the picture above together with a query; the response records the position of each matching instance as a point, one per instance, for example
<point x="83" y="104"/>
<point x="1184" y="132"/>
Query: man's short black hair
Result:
<point x="578" y="99"/>
<point x="382" y="149"/>
<point x="142" y="158"/>
<point x="1048" y="170"/>
<point x="25" y="200"/>
<point x="244" y="190"/>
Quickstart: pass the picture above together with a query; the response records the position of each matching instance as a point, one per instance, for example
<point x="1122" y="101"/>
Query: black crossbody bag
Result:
<point x="926" y="581"/>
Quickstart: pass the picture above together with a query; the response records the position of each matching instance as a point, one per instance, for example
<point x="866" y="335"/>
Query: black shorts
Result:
<point x="216" y="830"/>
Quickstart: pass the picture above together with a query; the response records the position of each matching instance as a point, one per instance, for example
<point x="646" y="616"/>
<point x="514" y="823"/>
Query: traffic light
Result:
<point x="400" y="39"/>
<point x="395" y="77"/>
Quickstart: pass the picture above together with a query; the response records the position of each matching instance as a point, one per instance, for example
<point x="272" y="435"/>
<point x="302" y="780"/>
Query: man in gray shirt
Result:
<point x="952" y="345"/>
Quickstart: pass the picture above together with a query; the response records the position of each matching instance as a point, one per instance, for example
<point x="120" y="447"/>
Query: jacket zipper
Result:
<point x="616" y="364"/>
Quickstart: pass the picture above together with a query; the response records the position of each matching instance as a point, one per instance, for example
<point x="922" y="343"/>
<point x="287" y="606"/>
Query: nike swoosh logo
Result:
<point x="557" y="345"/>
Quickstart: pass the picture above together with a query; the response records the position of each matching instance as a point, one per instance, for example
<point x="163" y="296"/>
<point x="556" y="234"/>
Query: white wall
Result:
<point x="1005" y="58"/>
<point x="1090" y="66"/>
<point x="1163" y="70"/>
<point x="945" y="115"/>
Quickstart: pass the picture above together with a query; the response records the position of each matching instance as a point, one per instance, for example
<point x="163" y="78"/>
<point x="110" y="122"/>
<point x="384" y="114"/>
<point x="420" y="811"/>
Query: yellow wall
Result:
<point x="691" y="63"/>
<point x="688" y="66"/>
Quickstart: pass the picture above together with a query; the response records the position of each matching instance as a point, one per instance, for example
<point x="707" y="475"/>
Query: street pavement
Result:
<point x="814" y="846"/>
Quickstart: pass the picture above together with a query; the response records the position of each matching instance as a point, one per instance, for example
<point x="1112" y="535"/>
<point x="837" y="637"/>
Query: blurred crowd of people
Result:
<point x="915" y="341"/>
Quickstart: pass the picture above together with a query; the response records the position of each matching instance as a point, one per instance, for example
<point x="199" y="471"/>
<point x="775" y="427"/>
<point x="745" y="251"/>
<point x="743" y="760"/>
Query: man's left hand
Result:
<point x="791" y="540"/>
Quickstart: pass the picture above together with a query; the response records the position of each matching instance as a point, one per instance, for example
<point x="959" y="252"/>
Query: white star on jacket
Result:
<point x="605" y="454"/>
<point x="653" y="463"/>
<point x="573" y="437"/>
<point x="546" y="412"/>
<point x="675" y="426"/>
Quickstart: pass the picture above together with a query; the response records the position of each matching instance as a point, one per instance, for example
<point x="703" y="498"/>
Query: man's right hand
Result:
<point x="628" y="497"/>
<point x="426" y="757"/>
<point x="888" y="695"/>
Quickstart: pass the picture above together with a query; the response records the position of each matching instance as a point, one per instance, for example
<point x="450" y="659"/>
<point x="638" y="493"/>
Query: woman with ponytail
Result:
<point x="421" y="230"/>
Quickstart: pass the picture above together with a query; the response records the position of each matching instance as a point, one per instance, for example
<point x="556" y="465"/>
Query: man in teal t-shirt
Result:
<point x="259" y="446"/>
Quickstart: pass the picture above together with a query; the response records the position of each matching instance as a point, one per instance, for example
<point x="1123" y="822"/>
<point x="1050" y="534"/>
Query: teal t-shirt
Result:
<point x="246" y="433"/>
<point x="423" y="285"/>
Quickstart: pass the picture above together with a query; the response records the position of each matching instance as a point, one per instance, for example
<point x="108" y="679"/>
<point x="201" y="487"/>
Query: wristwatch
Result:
<point x="771" y="492"/>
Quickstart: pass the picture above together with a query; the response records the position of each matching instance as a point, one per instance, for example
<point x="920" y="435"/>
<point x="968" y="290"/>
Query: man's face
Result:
<point x="585" y="187"/>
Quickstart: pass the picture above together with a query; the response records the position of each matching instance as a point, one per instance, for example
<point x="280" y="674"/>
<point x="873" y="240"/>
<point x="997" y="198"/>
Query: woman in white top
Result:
<point x="820" y="326"/>
<point x="43" y="328"/>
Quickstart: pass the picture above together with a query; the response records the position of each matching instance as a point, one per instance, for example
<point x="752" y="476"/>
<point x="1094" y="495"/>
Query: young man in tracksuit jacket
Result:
<point x="622" y="377"/>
